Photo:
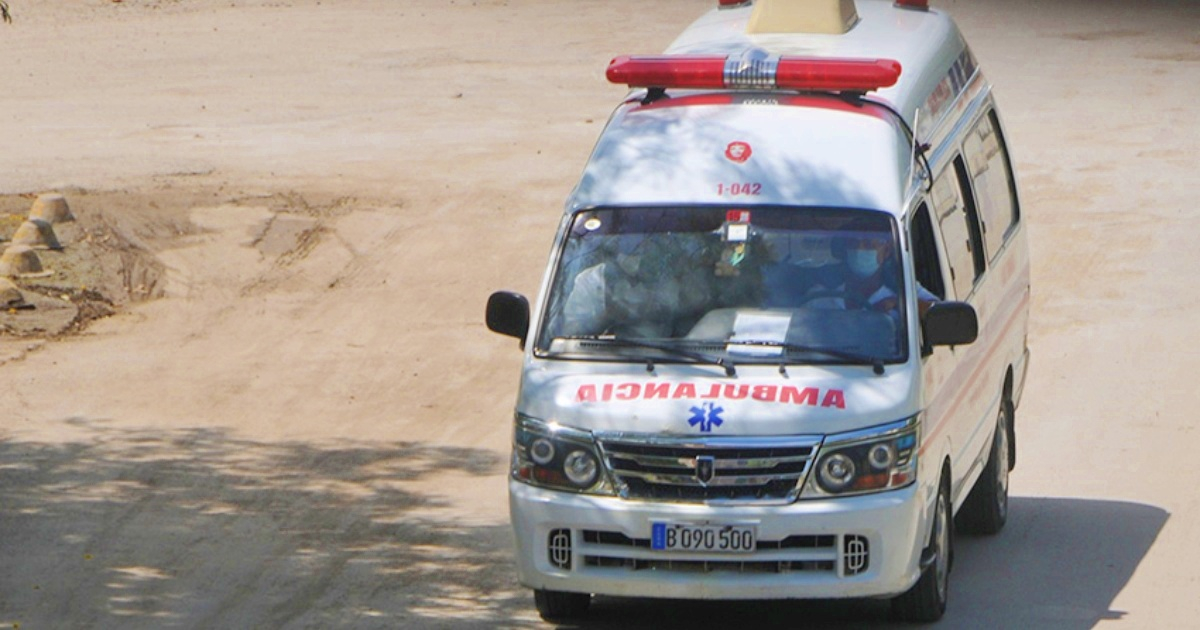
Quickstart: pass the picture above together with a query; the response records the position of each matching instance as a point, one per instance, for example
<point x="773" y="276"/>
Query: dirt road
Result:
<point x="307" y="425"/>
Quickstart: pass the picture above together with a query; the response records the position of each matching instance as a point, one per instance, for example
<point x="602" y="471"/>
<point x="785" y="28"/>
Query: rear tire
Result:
<point x="559" y="606"/>
<point x="986" y="509"/>
<point x="925" y="602"/>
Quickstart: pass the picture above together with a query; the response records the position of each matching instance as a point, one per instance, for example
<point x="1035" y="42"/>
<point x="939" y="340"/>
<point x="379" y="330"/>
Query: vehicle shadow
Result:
<point x="198" y="528"/>
<point x="1059" y="562"/>
<point x="152" y="528"/>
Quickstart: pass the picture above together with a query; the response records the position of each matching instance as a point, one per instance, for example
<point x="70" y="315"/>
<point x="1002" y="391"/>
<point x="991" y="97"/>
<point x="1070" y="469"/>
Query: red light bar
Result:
<point x="677" y="71"/>
<point x="714" y="72"/>
<point x="837" y="75"/>
<point x="727" y="4"/>
<point x="915" y="4"/>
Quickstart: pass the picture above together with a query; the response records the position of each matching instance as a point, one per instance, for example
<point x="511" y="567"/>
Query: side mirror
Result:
<point x="508" y="314"/>
<point x="950" y="324"/>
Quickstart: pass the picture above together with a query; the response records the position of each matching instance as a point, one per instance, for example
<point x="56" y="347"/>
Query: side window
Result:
<point x="971" y="215"/>
<point x="991" y="180"/>
<point x="926" y="262"/>
<point x="955" y="214"/>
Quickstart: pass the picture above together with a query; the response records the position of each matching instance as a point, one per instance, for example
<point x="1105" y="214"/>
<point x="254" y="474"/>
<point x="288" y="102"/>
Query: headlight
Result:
<point x="836" y="472"/>
<point x="581" y="468"/>
<point x="557" y="457"/>
<point x="542" y="451"/>
<point x="871" y="460"/>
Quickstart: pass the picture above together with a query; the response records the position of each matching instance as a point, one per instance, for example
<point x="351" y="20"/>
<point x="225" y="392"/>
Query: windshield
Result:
<point x="757" y="285"/>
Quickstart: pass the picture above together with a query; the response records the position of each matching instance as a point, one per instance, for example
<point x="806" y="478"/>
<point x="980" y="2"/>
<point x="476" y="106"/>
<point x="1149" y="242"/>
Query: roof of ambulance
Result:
<point x="821" y="153"/>
<point x="914" y="37"/>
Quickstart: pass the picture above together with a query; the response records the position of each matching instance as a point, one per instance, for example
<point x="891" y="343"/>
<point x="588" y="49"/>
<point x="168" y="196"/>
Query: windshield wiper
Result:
<point x="875" y="362"/>
<point x="698" y="357"/>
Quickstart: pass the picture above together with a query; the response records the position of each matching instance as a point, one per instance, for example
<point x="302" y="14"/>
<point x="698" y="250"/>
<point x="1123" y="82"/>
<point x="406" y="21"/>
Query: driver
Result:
<point x="862" y="285"/>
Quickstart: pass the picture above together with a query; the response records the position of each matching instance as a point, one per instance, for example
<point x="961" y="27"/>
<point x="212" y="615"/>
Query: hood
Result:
<point x="703" y="402"/>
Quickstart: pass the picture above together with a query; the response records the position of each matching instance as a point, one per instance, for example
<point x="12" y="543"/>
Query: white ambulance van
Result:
<point x="782" y="336"/>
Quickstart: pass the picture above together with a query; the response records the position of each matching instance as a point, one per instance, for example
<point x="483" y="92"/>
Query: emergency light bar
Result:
<point x="743" y="72"/>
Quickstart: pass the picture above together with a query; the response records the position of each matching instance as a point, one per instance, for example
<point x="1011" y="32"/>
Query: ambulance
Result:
<point x="781" y="340"/>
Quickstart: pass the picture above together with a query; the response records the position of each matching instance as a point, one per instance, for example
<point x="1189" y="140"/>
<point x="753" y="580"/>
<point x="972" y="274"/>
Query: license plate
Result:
<point x="703" y="538"/>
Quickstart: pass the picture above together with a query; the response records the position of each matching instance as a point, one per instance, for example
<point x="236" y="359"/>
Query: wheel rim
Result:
<point x="1002" y="463"/>
<point x="942" y="537"/>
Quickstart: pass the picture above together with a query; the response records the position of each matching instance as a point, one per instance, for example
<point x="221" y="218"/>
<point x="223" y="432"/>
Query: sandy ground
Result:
<point x="300" y="421"/>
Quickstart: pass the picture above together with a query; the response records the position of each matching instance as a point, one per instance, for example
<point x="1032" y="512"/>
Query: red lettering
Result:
<point x="834" y="398"/>
<point x="628" y="391"/>
<point x="737" y="392"/>
<point x="656" y="390"/>
<point x="793" y="395"/>
<point x="685" y="390"/>
<point x="765" y="393"/>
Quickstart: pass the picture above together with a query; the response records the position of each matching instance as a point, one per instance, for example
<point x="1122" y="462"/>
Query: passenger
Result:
<point x="657" y="286"/>
<point x="633" y="292"/>
<point x="866" y="263"/>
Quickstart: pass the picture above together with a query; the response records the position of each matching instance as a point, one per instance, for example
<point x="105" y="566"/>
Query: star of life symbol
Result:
<point x="706" y="416"/>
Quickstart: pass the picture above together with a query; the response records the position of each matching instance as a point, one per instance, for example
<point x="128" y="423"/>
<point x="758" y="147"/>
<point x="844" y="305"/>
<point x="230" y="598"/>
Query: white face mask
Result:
<point x="862" y="262"/>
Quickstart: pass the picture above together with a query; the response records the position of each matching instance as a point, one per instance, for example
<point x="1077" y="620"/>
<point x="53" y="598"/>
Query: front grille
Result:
<point x="709" y="470"/>
<point x="614" y="550"/>
<point x="827" y="541"/>
<point x="710" y="566"/>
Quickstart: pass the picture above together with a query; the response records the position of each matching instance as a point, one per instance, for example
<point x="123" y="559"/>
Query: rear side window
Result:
<point x="991" y="178"/>
<point x="956" y="217"/>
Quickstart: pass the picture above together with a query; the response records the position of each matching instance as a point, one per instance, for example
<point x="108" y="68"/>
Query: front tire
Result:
<point x="559" y="606"/>
<point x="986" y="509"/>
<point x="925" y="602"/>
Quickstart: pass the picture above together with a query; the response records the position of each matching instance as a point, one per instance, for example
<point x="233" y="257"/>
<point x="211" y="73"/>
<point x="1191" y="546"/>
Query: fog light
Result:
<point x="580" y="468"/>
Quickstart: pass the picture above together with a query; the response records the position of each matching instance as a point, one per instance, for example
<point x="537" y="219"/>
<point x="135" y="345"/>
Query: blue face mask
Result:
<point x="862" y="262"/>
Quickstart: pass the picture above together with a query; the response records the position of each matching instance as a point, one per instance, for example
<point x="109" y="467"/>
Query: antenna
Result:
<point x="912" y="154"/>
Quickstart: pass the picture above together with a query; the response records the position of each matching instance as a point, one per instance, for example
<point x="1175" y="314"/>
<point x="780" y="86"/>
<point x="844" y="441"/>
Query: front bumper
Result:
<point x="807" y="549"/>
